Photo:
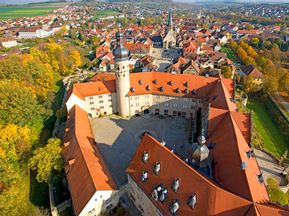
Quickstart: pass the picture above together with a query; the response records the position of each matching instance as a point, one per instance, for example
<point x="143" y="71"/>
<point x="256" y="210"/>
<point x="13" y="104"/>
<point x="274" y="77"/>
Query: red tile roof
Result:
<point x="231" y="146"/>
<point x="85" y="169"/>
<point x="211" y="199"/>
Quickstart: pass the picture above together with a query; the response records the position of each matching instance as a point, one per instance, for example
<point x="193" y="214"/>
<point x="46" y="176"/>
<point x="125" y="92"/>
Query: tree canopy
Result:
<point x="47" y="159"/>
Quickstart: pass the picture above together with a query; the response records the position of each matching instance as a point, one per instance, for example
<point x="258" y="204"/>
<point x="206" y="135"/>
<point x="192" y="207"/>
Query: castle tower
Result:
<point x="121" y="57"/>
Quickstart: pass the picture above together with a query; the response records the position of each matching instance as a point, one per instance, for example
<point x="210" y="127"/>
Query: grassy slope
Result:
<point x="273" y="139"/>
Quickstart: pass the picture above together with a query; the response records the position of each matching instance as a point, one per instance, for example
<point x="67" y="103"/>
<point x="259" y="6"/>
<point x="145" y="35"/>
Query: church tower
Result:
<point x="121" y="58"/>
<point x="169" y="41"/>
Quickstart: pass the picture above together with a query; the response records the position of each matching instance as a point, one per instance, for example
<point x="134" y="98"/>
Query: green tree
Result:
<point x="19" y="105"/>
<point x="255" y="41"/>
<point x="47" y="159"/>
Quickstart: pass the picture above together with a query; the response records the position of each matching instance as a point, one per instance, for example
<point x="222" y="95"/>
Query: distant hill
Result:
<point x="159" y="1"/>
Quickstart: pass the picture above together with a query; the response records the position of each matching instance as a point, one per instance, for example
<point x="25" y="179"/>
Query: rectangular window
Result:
<point x="166" y="104"/>
<point x="102" y="107"/>
<point x="110" y="106"/>
<point x="101" y="101"/>
<point x="90" y="98"/>
<point x="174" y="113"/>
<point x="184" y="106"/>
<point x="92" y="108"/>
<point x="175" y="105"/>
<point x="109" y="100"/>
<point x="109" y="95"/>
<point x="91" y="102"/>
<point x="108" y="201"/>
<point x="100" y="96"/>
<point x="166" y="112"/>
<point x="157" y="111"/>
<point x="185" y="99"/>
<point x="193" y="107"/>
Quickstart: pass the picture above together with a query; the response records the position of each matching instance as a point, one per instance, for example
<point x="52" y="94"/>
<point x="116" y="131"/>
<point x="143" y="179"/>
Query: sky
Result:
<point x="36" y="1"/>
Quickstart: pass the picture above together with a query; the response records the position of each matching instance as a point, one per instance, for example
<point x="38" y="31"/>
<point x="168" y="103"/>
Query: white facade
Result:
<point x="100" y="202"/>
<point x="10" y="43"/>
<point x="105" y="104"/>
<point x="141" y="200"/>
<point x="74" y="100"/>
<point x="39" y="33"/>
<point x="122" y="86"/>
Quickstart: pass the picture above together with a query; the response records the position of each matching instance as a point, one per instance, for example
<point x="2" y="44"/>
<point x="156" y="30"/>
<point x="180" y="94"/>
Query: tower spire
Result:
<point x="170" y="21"/>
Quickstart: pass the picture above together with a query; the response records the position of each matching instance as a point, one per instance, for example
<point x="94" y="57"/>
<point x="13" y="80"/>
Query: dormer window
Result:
<point x="155" y="81"/>
<point x="192" y="201"/>
<point x="157" y="168"/>
<point x="244" y="165"/>
<point x="170" y="83"/>
<point x="140" y="82"/>
<point x="144" y="176"/>
<point x="132" y="89"/>
<point x="187" y="91"/>
<point x="194" y="92"/>
<point x="260" y="178"/>
<point x="214" y="97"/>
<point x="145" y="157"/>
<point x="175" y="185"/>
<point x="250" y="153"/>
<point x="161" y="89"/>
<point x="155" y="195"/>
<point x="148" y="88"/>
<point x="174" y="207"/>
<point x="163" y="195"/>
<point x="178" y="90"/>
<point x="186" y="84"/>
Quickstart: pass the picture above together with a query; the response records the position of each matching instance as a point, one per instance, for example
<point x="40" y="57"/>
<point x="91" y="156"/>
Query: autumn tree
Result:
<point x="46" y="159"/>
<point x="226" y="71"/>
<point x="284" y="83"/>
<point x="233" y="45"/>
<point x="270" y="83"/>
<point x="247" y="83"/>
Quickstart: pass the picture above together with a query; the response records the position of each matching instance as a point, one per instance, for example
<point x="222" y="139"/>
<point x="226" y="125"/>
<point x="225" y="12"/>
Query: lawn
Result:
<point x="230" y="53"/>
<point x="273" y="140"/>
<point x="31" y="10"/>
<point x="108" y="12"/>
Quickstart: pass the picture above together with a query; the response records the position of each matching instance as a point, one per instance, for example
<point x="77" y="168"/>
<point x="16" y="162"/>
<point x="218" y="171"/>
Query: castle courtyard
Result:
<point x="118" y="138"/>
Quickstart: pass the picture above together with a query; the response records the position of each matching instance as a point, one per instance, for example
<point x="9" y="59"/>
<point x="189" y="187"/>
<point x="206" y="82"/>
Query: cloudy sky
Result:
<point x="35" y="1"/>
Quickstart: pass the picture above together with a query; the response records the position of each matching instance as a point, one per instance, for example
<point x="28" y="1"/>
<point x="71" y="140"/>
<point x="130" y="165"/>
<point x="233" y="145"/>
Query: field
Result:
<point x="108" y="12"/>
<point x="30" y="10"/>
<point x="273" y="140"/>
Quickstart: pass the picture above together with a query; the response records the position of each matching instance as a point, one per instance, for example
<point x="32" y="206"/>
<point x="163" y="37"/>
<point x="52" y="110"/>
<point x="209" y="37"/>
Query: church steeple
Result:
<point x="170" y="21"/>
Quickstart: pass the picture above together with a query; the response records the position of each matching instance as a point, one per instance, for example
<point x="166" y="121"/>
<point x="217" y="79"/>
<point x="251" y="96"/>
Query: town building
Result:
<point x="219" y="177"/>
<point x="169" y="41"/>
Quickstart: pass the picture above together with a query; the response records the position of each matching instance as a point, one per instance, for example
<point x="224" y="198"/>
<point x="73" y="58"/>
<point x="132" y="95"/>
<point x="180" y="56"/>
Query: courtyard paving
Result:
<point x="118" y="138"/>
